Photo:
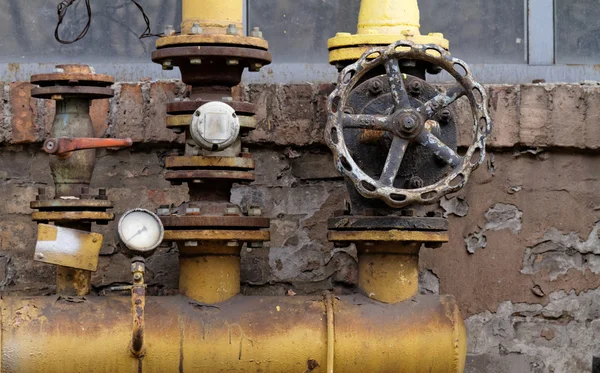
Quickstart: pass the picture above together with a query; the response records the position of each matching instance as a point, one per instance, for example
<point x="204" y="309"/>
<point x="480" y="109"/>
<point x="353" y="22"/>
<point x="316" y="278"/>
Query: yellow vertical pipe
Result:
<point x="395" y="17"/>
<point x="209" y="273"/>
<point x="214" y="16"/>
<point x="388" y="272"/>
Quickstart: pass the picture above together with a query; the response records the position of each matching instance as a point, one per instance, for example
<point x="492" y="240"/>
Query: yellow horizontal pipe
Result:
<point x="243" y="334"/>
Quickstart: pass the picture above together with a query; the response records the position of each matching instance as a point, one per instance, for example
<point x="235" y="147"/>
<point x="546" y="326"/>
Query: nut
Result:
<point x="195" y="61"/>
<point x="190" y="243"/>
<point x="256" y="32"/>
<point x="167" y="65"/>
<point x="415" y="182"/>
<point x="255" y="211"/>
<point x="39" y="256"/>
<point x="232" y="62"/>
<point x="233" y="243"/>
<point x="375" y="87"/>
<point x="255" y="245"/>
<point x="137" y="276"/>
<point x="164" y="210"/>
<point x="232" y="29"/>
<point x="232" y="210"/>
<point x="192" y="210"/>
<point x="415" y="88"/>
<point x="445" y="116"/>
<point x="255" y="67"/>
<point x="169" y="30"/>
<point x="196" y="29"/>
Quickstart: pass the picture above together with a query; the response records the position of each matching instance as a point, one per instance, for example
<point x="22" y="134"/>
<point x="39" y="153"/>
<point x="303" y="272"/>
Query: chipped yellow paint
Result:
<point x="47" y="232"/>
<point x="68" y="247"/>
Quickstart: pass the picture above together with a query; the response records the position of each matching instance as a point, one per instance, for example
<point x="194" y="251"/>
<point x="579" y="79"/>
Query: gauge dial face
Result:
<point x="140" y="230"/>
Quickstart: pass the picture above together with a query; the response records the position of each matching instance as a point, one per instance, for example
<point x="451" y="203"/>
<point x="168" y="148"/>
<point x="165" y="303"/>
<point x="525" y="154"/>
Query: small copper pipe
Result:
<point x="138" y="302"/>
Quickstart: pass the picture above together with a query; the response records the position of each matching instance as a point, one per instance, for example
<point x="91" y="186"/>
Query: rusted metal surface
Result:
<point x="183" y="54"/>
<point x="138" y="303"/>
<point x="72" y="216"/>
<point x="71" y="204"/>
<point x="67" y="247"/>
<point x="184" y="175"/>
<point x="217" y="235"/>
<point x="189" y="107"/>
<point x="70" y="79"/>
<point x="65" y="145"/>
<point x="387" y="223"/>
<point x="175" y="221"/>
<point x="62" y="92"/>
<point x="209" y="162"/>
<point x="233" y="40"/>
<point x="405" y="124"/>
<point x="242" y="334"/>
<point x="73" y="281"/>
<point x="387" y="236"/>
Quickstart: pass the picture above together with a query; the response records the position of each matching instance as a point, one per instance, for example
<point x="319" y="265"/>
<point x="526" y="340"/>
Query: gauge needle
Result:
<point x="138" y="233"/>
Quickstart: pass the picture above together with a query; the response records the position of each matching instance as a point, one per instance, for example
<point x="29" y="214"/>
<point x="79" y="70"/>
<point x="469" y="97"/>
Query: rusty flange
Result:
<point x="381" y="223"/>
<point x="72" y="80"/>
<point x="190" y="162"/>
<point x="72" y="216"/>
<point x="197" y="222"/>
<point x="193" y="175"/>
<point x="190" y="106"/>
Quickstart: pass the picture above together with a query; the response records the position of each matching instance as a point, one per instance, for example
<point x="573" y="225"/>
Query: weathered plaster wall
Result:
<point x="524" y="256"/>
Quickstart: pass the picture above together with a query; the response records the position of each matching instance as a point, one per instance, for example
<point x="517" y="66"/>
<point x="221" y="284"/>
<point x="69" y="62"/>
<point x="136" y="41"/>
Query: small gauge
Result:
<point x="141" y="231"/>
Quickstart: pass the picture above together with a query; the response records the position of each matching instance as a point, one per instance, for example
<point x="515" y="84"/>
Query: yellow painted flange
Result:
<point x="209" y="162"/>
<point x="185" y="120"/>
<point x="72" y="216"/>
<point x="207" y="39"/>
<point x="217" y="235"/>
<point x="380" y="23"/>
<point x="387" y="236"/>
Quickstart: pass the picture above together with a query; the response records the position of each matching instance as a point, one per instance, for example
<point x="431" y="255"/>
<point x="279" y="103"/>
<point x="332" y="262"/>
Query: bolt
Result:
<point x="245" y="150"/>
<point x="197" y="113"/>
<point x="137" y="276"/>
<point x="415" y="88"/>
<point x="445" y="116"/>
<point x="232" y="62"/>
<point x="192" y="210"/>
<point x="178" y="130"/>
<point x="255" y="245"/>
<point x="408" y="212"/>
<point x="42" y="191"/>
<point x="415" y="182"/>
<point x="56" y="97"/>
<point x="232" y="29"/>
<point x="94" y="240"/>
<point x="340" y="245"/>
<point x="231" y="210"/>
<point x="85" y="190"/>
<point x="255" y="211"/>
<point x="409" y="123"/>
<point x="39" y="256"/>
<point x="102" y="195"/>
<point x="190" y="243"/>
<point x="227" y="99"/>
<point x="255" y="67"/>
<point x="167" y="65"/>
<point x="50" y="145"/>
<point x="196" y="29"/>
<point x="164" y="210"/>
<point x="256" y="32"/>
<point x="169" y="31"/>
<point x="375" y="87"/>
<point x="233" y="244"/>
<point x="195" y="61"/>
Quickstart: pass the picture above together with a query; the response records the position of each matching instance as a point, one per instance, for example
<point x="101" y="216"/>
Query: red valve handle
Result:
<point x="63" y="146"/>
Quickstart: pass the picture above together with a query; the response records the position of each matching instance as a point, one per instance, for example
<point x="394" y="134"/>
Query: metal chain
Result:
<point x="406" y="124"/>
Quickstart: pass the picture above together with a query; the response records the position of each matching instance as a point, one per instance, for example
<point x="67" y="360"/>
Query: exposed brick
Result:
<point x="128" y="113"/>
<point x="156" y="112"/>
<point x="100" y="114"/>
<point x="592" y="117"/>
<point x="24" y="109"/>
<point x="504" y="110"/>
<point x="535" y="116"/>
<point x="567" y="118"/>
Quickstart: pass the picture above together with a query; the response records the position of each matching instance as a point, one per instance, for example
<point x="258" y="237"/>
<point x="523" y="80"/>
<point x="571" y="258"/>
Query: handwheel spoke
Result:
<point x="397" y="84"/>
<point x="441" y="101"/>
<point x="368" y="122"/>
<point x="441" y="150"/>
<point x="393" y="161"/>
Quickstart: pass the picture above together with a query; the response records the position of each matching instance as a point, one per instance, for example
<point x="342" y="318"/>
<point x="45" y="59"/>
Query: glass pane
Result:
<point x="297" y="30"/>
<point x="480" y="31"/>
<point x="577" y="31"/>
<point x="27" y="29"/>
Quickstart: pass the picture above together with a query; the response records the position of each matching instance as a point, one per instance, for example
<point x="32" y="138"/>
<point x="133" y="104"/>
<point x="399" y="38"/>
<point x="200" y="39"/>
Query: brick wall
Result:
<point x="524" y="256"/>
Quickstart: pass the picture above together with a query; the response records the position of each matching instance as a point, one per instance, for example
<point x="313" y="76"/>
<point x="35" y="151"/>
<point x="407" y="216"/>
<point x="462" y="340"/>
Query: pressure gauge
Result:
<point x="215" y="126"/>
<point x="141" y="231"/>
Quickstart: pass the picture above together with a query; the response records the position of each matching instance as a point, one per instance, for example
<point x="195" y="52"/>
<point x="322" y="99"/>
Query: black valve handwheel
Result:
<point x="407" y="124"/>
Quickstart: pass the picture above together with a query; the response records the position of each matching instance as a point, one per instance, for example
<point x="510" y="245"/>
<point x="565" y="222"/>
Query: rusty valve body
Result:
<point x="73" y="157"/>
